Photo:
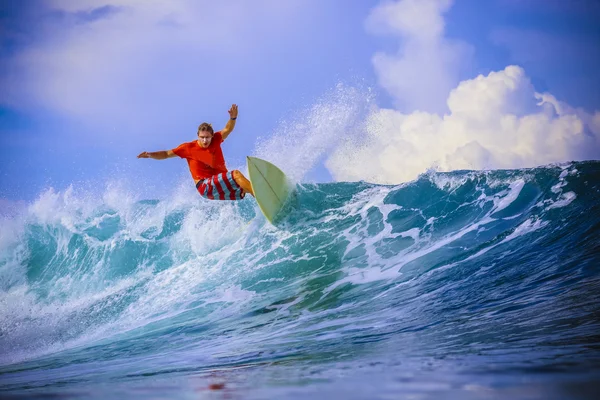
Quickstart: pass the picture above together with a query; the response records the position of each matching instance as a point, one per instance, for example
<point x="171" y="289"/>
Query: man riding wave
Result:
<point x="207" y="164"/>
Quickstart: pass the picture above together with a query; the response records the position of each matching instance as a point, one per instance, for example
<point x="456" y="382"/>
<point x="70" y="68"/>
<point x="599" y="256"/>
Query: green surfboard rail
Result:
<point x="270" y="185"/>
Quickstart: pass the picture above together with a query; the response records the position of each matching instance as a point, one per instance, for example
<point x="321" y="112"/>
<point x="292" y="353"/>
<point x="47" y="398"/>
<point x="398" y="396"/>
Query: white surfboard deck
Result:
<point x="271" y="187"/>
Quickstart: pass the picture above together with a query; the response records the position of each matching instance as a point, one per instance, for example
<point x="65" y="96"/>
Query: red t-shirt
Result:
<point x="203" y="162"/>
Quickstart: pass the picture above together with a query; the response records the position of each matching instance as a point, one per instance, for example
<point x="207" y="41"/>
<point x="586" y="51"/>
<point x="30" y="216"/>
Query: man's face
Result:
<point x="204" y="138"/>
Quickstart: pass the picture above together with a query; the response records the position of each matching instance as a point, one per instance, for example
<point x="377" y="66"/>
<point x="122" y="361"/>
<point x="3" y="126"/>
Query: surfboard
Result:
<point x="271" y="187"/>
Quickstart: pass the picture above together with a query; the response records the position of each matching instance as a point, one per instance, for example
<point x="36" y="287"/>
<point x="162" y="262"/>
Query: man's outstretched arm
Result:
<point x="157" y="155"/>
<point x="233" y="113"/>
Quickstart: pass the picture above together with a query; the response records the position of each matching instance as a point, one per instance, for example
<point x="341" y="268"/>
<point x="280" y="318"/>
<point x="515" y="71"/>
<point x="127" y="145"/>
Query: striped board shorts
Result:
<point x="220" y="187"/>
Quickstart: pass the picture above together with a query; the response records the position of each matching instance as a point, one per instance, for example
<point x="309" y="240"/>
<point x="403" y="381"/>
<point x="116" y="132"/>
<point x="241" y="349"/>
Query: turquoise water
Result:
<point x="456" y="285"/>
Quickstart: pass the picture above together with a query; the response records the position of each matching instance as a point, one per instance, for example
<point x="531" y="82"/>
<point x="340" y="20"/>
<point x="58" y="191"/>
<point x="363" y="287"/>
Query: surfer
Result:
<point x="207" y="164"/>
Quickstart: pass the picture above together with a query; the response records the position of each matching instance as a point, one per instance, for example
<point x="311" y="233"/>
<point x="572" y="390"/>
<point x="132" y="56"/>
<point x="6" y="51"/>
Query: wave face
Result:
<point x="464" y="284"/>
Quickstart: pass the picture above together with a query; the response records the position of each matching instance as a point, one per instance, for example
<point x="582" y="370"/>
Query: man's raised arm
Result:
<point x="233" y="113"/>
<point x="157" y="155"/>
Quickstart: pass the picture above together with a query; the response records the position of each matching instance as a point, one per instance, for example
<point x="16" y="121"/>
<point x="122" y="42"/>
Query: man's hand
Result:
<point x="233" y="111"/>
<point x="145" y="154"/>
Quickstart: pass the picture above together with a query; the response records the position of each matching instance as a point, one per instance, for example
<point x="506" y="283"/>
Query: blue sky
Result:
<point x="88" y="85"/>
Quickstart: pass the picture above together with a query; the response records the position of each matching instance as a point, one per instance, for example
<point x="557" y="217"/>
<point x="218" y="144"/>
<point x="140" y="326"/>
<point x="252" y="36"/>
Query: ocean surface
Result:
<point x="466" y="285"/>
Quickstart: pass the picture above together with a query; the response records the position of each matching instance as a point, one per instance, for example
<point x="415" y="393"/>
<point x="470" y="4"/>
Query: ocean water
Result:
<point x="463" y="285"/>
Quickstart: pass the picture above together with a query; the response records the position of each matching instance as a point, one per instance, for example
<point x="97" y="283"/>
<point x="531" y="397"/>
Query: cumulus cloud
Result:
<point x="125" y="63"/>
<point x="427" y="65"/>
<point x="489" y="122"/>
<point x="495" y="121"/>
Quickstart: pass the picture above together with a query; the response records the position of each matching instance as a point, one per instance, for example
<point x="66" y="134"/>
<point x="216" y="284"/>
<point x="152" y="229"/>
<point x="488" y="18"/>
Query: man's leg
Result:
<point x="241" y="180"/>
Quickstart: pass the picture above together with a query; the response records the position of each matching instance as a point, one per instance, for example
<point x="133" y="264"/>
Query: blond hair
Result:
<point x="205" y="126"/>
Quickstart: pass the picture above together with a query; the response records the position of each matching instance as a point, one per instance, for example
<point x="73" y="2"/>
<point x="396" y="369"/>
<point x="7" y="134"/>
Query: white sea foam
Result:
<point x="564" y="200"/>
<point x="299" y="143"/>
<point x="209" y="255"/>
<point x="513" y="193"/>
<point x="78" y="285"/>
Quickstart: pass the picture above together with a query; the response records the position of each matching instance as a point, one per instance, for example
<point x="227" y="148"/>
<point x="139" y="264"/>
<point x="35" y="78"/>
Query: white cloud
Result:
<point x="495" y="121"/>
<point x="128" y="62"/>
<point x="427" y="65"/>
<point x="489" y="122"/>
